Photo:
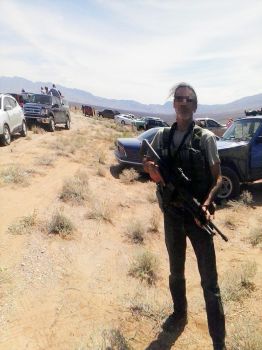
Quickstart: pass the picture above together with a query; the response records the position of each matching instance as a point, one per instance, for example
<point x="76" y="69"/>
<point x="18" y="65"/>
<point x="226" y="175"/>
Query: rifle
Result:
<point x="179" y="181"/>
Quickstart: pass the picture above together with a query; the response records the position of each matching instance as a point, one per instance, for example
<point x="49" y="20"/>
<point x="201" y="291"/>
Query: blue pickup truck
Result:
<point x="240" y="151"/>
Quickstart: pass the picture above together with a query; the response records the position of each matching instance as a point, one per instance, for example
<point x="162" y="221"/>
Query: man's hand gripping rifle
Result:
<point x="180" y="182"/>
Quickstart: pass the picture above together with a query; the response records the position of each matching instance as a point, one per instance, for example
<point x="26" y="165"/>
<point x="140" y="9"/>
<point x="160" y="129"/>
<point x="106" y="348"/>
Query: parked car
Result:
<point x="12" y="119"/>
<point x="124" y="119"/>
<point x="212" y="125"/>
<point x="108" y="113"/>
<point x="47" y="110"/>
<point x="127" y="149"/>
<point x="240" y="151"/>
<point x="88" y="111"/>
<point x="151" y="122"/>
<point x="130" y="119"/>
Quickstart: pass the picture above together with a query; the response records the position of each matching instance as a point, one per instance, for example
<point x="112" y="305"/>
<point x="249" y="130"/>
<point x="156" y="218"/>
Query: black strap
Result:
<point x="171" y="135"/>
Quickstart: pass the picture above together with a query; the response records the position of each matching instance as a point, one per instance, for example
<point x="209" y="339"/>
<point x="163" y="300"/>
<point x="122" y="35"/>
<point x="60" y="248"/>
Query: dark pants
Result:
<point x="178" y="225"/>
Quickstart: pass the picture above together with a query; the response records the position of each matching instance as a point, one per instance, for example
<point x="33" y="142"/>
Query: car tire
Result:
<point x="52" y="125"/>
<point x="230" y="184"/>
<point x="67" y="124"/>
<point x="122" y="122"/>
<point x="24" y="129"/>
<point x="6" y="137"/>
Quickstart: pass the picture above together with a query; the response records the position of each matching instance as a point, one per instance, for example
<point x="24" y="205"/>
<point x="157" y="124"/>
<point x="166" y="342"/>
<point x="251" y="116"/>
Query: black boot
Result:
<point x="174" y="322"/>
<point x="220" y="346"/>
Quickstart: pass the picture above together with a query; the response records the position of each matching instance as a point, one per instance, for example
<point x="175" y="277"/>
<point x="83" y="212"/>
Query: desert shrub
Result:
<point x="101" y="210"/>
<point x="145" y="267"/>
<point x="102" y="156"/>
<point x="230" y="220"/>
<point x="237" y="283"/>
<point x="136" y="231"/>
<point x="128" y="176"/>
<point x="37" y="130"/>
<point x="101" y="171"/>
<point x="247" y="198"/>
<point x="23" y="225"/>
<point x="255" y="235"/>
<point x="155" y="221"/>
<point x="112" y="339"/>
<point x="75" y="190"/>
<point x="45" y="160"/>
<point x="245" y="334"/>
<point x="16" y="174"/>
<point x="60" y="224"/>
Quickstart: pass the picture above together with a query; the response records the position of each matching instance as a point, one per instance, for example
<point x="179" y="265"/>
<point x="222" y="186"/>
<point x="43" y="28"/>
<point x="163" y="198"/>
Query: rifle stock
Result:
<point x="180" y="182"/>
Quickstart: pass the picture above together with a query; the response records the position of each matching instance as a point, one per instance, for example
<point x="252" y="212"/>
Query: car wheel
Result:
<point x="230" y="184"/>
<point x="122" y="122"/>
<point x="52" y="125"/>
<point x="24" y="130"/>
<point x="67" y="124"/>
<point x="6" y="137"/>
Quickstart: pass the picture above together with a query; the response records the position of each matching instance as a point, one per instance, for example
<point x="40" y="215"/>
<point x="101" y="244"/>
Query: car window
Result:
<point x="242" y="130"/>
<point x="7" y="103"/>
<point x="212" y="124"/>
<point x="12" y="102"/>
<point x="43" y="99"/>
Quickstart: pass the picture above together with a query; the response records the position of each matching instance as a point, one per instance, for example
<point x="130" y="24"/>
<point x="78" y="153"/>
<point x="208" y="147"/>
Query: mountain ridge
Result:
<point x="78" y="96"/>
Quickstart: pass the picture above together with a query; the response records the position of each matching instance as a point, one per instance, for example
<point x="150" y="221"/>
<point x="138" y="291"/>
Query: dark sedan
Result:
<point x="127" y="149"/>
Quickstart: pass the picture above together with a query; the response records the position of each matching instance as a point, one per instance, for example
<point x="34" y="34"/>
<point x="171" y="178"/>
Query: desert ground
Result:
<point x="83" y="261"/>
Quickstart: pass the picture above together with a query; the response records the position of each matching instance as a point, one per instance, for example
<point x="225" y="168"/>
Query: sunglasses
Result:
<point x="182" y="98"/>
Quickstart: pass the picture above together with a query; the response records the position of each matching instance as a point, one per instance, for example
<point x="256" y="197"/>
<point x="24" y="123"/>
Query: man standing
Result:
<point x="193" y="149"/>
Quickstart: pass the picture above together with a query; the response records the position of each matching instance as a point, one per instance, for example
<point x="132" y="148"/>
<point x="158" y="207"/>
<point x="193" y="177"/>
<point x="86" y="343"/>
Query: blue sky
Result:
<point x="136" y="49"/>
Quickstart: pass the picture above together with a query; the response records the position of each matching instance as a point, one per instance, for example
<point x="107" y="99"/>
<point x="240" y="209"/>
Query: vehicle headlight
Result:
<point x="43" y="111"/>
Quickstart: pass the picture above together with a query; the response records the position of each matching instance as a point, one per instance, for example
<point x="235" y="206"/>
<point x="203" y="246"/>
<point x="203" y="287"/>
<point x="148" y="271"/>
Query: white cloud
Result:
<point x="140" y="50"/>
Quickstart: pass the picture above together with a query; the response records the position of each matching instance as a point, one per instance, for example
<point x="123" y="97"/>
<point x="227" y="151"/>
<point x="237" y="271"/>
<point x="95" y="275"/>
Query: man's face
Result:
<point x="184" y="103"/>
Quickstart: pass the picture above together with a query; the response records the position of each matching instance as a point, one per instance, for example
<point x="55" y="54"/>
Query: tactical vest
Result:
<point x="193" y="161"/>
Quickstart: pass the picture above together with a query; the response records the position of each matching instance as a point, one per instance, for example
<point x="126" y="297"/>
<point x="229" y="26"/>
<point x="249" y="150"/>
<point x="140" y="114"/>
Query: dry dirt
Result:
<point x="67" y="294"/>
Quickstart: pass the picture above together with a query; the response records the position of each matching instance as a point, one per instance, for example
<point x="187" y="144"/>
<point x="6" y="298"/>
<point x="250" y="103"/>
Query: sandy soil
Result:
<point x="58" y="293"/>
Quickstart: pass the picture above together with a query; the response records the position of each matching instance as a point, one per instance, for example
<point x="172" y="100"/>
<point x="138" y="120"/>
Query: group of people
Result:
<point x="192" y="149"/>
<point x="53" y="91"/>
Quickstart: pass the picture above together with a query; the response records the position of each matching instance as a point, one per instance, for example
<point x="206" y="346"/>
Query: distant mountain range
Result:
<point x="220" y="111"/>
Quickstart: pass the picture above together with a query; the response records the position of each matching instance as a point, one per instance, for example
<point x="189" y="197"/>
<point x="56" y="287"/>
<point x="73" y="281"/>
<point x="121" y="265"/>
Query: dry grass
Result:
<point x="101" y="210"/>
<point x="245" y="334"/>
<point x="128" y="176"/>
<point x="237" y="283"/>
<point x="16" y="174"/>
<point x="69" y="145"/>
<point x="155" y="220"/>
<point x="255" y="232"/>
<point x="37" y="130"/>
<point x="24" y="225"/>
<point x="111" y="339"/>
<point x="46" y="161"/>
<point x="145" y="267"/>
<point x="230" y="220"/>
<point x="76" y="190"/>
<point x="102" y="156"/>
<point x="101" y="171"/>
<point x="136" y="231"/>
<point x="60" y="225"/>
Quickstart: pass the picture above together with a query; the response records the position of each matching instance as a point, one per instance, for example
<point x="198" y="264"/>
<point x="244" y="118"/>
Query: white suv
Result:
<point x="12" y="119"/>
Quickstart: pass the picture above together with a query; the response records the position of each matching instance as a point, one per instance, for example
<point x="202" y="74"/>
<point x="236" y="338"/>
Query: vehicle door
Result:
<point x="18" y="113"/>
<point x="213" y="126"/>
<point x="10" y="113"/>
<point x="57" y="110"/>
<point x="256" y="150"/>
